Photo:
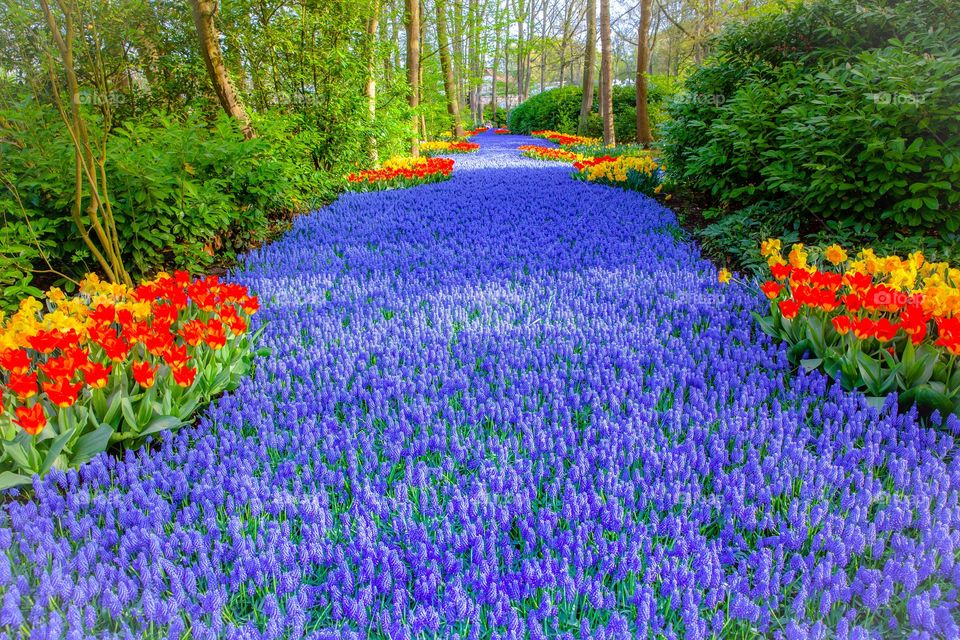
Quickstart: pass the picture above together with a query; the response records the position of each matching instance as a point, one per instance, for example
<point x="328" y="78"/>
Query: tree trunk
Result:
<point x="412" y="20"/>
<point x="589" y="65"/>
<point x="606" y="74"/>
<point x="209" y="39"/>
<point x="644" y="136"/>
<point x="371" y="90"/>
<point x="449" y="83"/>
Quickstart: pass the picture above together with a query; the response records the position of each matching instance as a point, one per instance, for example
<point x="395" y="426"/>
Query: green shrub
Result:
<point x="554" y="109"/>
<point x="832" y="112"/>
<point x="185" y="192"/>
<point x="559" y="110"/>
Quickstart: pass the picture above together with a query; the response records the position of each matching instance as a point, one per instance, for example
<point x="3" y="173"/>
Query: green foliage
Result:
<point x="21" y="245"/>
<point x="554" y="109"/>
<point x="559" y="110"/>
<point x="833" y="111"/>
<point x="185" y="192"/>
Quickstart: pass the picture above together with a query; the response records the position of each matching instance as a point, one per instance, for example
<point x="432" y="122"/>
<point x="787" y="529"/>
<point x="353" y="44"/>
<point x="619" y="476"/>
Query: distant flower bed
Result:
<point x="564" y="139"/>
<point x="402" y="172"/>
<point x="501" y="131"/>
<point x="478" y="131"/>
<point x="630" y="172"/>
<point x="444" y="146"/>
<point x="549" y="153"/>
<point x="113" y="365"/>
<point x="882" y="324"/>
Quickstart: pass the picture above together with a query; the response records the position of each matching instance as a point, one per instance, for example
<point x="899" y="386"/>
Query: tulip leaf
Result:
<point x="19" y="454"/>
<point x="9" y="479"/>
<point x="113" y="406"/>
<point x="92" y="443"/>
<point x="161" y="423"/>
<point x="927" y="398"/>
<point x="127" y="409"/>
<point x="795" y="352"/>
<point x="55" y="448"/>
<point x="811" y="363"/>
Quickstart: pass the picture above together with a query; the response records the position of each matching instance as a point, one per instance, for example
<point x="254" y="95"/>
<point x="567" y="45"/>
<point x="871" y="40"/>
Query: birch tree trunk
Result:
<point x="371" y="89"/>
<point x="606" y="74"/>
<point x="449" y="83"/>
<point x="209" y="40"/>
<point x="589" y="65"/>
<point x="644" y="136"/>
<point x="412" y="23"/>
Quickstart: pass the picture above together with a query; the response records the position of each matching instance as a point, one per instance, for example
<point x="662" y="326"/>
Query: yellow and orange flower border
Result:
<point x="112" y="365"/>
<point x="883" y="324"/>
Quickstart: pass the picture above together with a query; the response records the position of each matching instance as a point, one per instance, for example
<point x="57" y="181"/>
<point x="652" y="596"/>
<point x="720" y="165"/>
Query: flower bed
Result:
<point x="506" y="406"/>
<point x="538" y="152"/>
<point x="478" y="131"/>
<point x="641" y="173"/>
<point x="402" y="172"/>
<point x="564" y="139"/>
<point x="433" y="147"/>
<point x="880" y="324"/>
<point x="114" y="365"/>
<point x="502" y="131"/>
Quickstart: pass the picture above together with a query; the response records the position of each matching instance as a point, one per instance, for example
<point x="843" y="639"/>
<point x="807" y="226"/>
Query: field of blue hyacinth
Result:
<point x="508" y="405"/>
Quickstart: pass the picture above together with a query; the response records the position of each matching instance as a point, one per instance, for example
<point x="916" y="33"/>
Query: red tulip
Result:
<point x="184" y="375"/>
<point x="31" y="419"/>
<point x="15" y="361"/>
<point x="771" y="289"/>
<point x="61" y="392"/>
<point x="96" y="375"/>
<point x="144" y="374"/>
<point x="24" y="385"/>
<point x="789" y="309"/>
<point x="842" y="324"/>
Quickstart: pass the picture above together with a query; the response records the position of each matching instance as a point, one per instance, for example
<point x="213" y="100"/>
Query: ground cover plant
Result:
<point x="113" y="366"/>
<point x="534" y="413"/>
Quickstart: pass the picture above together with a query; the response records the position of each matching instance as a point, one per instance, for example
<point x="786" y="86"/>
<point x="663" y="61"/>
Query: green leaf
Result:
<point x="811" y="363"/>
<point x="928" y="398"/>
<point x="55" y="448"/>
<point x="795" y="352"/>
<point x="127" y="409"/>
<point x="19" y="454"/>
<point x="161" y="423"/>
<point x="9" y="479"/>
<point x="92" y="443"/>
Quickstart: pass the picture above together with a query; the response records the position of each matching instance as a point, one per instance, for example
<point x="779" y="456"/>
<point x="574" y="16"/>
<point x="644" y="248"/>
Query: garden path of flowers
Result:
<point x="508" y="405"/>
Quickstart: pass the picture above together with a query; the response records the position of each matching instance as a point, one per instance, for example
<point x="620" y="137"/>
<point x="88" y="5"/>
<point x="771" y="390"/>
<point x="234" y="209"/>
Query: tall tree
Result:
<point x="412" y="22"/>
<point x="589" y="66"/>
<point x="644" y="136"/>
<point x="209" y="39"/>
<point x="371" y="89"/>
<point x="606" y="74"/>
<point x="449" y="83"/>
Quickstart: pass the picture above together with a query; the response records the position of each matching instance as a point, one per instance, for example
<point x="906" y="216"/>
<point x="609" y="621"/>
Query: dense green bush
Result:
<point x="184" y="192"/>
<point x="559" y="110"/>
<point x="554" y="109"/>
<point x="829" y="112"/>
